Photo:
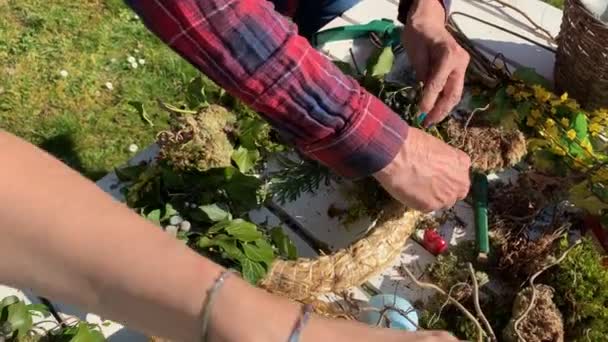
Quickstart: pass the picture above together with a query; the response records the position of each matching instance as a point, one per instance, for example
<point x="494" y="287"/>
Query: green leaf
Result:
<point x="171" y="179"/>
<point x="8" y="301"/>
<point x="243" y="230"/>
<point x="382" y="63"/>
<point x="242" y="190"/>
<point x="195" y="94"/>
<point x="582" y="197"/>
<point x="261" y="251"/>
<point x="86" y="334"/>
<point x="252" y="271"/>
<point x="245" y="159"/>
<point x="286" y="247"/>
<point x="130" y="173"/>
<point x="530" y="77"/>
<point x="205" y="242"/>
<point x="168" y="212"/>
<point x="580" y="126"/>
<point x="501" y="112"/>
<point x="19" y="318"/>
<point x="214" y="213"/>
<point x="39" y="309"/>
<point x="154" y="216"/>
<point x="251" y="131"/>
<point x="139" y="107"/>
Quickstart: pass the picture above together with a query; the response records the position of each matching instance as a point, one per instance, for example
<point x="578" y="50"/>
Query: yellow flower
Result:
<point x="602" y="113"/>
<point x="597" y="119"/>
<point x="595" y="127"/>
<point x="571" y="134"/>
<point x="553" y="110"/>
<point x="564" y="97"/>
<point x="572" y="105"/>
<point x="565" y="122"/>
<point x="587" y="146"/>
<point x="541" y="94"/>
<point x="531" y="121"/>
<point x="558" y="150"/>
<point x="550" y="122"/>
<point x="535" y="113"/>
<point x="511" y="90"/>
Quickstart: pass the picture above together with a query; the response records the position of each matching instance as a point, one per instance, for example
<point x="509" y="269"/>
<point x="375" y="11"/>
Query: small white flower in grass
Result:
<point x="175" y="220"/>
<point x="133" y="148"/>
<point x="134" y="65"/>
<point x="63" y="73"/>
<point x="131" y="59"/>
<point x="109" y="86"/>
<point x="187" y="204"/>
<point x="185" y="226"/>
<point x="113" y="60"/>
<point x="136" y="50"/>
<point x="171" y="230"/>
<point x="193" y="206"/>
<point x="142" y="61"/>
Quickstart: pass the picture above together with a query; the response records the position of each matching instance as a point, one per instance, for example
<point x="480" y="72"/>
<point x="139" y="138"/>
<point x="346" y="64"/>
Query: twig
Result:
<point x="437" y="316"/>
<point x="464" y="310"/>
<point x="533" y="288"/>
<point x="477" y="306"/>
<point x="548" y="34"/>
<point x="466" y="124"/>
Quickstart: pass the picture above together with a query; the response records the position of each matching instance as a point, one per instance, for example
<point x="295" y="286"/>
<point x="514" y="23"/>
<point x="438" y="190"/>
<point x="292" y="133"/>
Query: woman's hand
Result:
<point x="437" y="58"/>
<point x="427" y="174"/>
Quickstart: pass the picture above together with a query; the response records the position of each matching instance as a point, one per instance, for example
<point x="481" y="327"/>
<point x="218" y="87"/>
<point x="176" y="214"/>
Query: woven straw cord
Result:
<point x="303" y="279"/>
<point x="581" y="66"/>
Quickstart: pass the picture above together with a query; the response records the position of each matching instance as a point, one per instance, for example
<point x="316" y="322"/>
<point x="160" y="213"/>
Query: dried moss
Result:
<point x="491" y="148"/>
<point x="543" y="323"/>
<point x="198" y="142"/>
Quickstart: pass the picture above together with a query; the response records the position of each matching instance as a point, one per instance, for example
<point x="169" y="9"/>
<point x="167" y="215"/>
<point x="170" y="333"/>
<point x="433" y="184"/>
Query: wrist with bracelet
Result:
<point x="296" y="331"/>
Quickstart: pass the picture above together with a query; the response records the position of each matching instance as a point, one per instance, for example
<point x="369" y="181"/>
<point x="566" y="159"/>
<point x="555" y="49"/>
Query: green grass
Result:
<point x="77" y="118"/>
<point x="556" y="3"/>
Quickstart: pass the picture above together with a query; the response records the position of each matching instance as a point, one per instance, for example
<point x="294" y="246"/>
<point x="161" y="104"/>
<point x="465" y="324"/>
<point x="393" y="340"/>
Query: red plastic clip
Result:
<point x="433" y="242"/>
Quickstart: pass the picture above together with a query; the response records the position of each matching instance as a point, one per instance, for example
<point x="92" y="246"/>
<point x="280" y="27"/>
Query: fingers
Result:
<point x="436" y="81"/>
<point x="449" y="98"/>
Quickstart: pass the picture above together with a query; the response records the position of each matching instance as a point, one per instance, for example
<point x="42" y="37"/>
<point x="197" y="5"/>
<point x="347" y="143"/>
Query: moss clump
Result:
<point x="581" y="293"/>
<point x="198" y="142"/>
<point x="543" y="323"/>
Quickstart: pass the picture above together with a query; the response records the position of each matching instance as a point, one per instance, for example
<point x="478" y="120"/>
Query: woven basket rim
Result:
<point x="588" y="13"/>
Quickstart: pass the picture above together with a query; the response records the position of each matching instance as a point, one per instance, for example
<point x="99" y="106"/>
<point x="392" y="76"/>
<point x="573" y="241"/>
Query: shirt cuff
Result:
<point x="405" y="5"/>
<point x="367" y="145"/>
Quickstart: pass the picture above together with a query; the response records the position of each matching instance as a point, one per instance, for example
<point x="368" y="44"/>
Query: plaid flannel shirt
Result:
<point x="257" y="55"/>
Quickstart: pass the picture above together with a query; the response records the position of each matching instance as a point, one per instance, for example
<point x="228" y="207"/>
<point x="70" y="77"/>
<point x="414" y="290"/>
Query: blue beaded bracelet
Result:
<point x="297" y="329"/>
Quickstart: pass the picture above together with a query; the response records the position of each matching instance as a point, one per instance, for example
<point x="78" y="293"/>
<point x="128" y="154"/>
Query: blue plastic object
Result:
<point x="395" y="318"/>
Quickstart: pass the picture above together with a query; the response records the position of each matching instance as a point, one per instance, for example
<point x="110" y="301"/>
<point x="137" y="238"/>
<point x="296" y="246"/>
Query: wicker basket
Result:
<point x="581" y="66"/>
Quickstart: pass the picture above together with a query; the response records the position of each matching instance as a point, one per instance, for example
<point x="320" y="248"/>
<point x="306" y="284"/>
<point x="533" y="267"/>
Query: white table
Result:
<point x="310" y="210"/>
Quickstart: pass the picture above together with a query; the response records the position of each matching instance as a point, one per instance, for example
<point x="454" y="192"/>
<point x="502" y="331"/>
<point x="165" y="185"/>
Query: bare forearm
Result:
<point x="64" y="238"/>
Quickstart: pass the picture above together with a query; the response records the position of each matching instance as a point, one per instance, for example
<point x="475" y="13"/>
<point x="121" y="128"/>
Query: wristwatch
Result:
<point x="406" y="5"/>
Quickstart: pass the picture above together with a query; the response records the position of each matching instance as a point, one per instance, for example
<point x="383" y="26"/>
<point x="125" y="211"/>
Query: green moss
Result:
<point x="198" y="142"/>
<point x="581" y="284"/>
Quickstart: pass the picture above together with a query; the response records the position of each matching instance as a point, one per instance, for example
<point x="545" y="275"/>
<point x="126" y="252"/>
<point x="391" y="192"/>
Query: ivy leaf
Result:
<point x="582" y="197"/>
<point x="220" y="226"/>
<point x="261" y="251"/>
<point x="19" y="318"/>
<point x="214" y="213"/>
<point x="86" y="334"/>
<point x="243" y="230"/>
<point x="230" y="247"/>
<point x="382" y="63"/>
<point x="250" y="132"/>
<point x="286" y="247"/>
<point x="141" y="110"/>
<point x="242" y="190"/>
<point x="130" y="173"/>
<point x="39" y="310"/>
<point x="501" y="112"/>
<point x="154" y="216"/>
<point x="195" y="94"/>
<point x="169" y="212"/>
<point x="252" y="271"/>
<point x="530" y="77"/>
<point x="245" y="159"/>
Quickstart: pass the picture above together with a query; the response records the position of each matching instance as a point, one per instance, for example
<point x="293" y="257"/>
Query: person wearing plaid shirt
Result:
<point x="253" y="51"/>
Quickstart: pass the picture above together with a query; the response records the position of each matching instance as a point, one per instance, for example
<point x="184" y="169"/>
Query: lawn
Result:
<point x="66" y="82"/>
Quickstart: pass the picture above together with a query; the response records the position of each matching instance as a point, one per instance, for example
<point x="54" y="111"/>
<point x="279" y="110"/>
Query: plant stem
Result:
<point x="477" y="306"/>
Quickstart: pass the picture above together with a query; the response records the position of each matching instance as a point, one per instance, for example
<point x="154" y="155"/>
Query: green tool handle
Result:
<point x="384" y="28"/>
<point x="480" y="206"/>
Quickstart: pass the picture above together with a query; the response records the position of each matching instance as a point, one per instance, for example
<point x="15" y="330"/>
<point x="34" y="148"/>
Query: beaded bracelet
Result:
<point x="211" y="295"/>
<point x="297" y="329"/>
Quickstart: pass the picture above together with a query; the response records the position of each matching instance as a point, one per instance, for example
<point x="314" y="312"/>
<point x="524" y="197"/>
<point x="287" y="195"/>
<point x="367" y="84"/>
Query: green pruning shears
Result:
<point x="382" y="32"/>
<point x="480" y="207"/>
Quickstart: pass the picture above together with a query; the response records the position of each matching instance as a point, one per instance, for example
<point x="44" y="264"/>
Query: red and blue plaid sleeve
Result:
<point x="256" y="54"/>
